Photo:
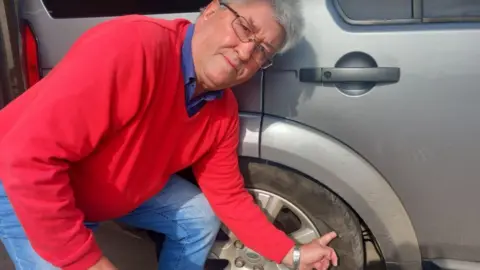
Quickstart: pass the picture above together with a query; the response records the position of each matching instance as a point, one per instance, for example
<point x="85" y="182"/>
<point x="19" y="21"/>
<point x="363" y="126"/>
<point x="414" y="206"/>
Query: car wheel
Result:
<point x="301" y="208"/>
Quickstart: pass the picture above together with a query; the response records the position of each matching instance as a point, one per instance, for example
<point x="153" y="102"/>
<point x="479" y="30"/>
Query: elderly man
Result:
<point x="133" y="102"/>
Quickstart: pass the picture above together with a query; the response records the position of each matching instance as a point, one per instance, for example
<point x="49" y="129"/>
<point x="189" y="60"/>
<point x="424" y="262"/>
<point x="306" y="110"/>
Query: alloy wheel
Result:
<point x="283" y="214"/>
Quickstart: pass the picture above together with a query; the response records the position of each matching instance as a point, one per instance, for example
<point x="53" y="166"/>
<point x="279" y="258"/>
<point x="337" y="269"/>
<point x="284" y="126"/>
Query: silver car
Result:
<point x="370" y="127"/>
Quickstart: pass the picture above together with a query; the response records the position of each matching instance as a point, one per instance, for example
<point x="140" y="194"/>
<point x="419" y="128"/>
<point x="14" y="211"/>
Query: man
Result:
<point x="134" y="101"/>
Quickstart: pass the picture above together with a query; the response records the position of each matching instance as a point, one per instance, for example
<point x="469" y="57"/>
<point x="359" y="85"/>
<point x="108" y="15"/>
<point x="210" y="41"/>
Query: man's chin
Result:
<point x="217" y="83"/>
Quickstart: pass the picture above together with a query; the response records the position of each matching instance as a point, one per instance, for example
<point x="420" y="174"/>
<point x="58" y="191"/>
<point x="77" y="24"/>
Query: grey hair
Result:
<point x="288" y="14"/>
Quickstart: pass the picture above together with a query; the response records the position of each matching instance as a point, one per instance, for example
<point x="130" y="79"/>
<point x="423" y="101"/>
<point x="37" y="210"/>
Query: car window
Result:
<point x="451" y="8"/>
<point x="407" y="11"/>
<point x="376" y="9"/>
<point x="101" y="8"/>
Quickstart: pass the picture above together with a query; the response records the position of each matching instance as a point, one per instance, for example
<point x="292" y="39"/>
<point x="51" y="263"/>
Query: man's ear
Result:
<point x="210" y="9"/>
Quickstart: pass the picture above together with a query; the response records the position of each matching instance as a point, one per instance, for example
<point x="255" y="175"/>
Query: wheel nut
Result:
<point x="239" y="262"/>
<point x="257" y="267"/>
<point x="238" y="244"/>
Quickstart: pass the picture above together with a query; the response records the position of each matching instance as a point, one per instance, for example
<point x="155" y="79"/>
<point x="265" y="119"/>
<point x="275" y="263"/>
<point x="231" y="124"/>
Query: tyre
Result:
<point x="301" y="208"/>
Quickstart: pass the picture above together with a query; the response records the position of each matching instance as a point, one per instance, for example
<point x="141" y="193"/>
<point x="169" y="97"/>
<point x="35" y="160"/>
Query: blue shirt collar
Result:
<point x="187" y="59"/>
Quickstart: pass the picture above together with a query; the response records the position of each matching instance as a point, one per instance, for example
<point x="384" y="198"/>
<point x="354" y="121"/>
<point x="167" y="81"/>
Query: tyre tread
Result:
<point x="331" y="214"/>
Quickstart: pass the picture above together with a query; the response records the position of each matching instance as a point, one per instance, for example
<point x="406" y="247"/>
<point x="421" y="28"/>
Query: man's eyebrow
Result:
<point x="270" y="46"/>
<point x="255" y="29"/>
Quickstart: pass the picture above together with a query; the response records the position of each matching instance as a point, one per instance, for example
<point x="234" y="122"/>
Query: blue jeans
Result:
<point x="180" y="211"/>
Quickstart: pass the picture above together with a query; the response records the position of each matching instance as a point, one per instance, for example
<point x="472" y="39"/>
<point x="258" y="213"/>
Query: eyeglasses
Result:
<point x="242" y="29"/>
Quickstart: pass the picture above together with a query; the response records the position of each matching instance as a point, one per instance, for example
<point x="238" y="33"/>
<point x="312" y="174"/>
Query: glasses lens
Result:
<point x="240" y="25"/>
<point x="260" y="55"/>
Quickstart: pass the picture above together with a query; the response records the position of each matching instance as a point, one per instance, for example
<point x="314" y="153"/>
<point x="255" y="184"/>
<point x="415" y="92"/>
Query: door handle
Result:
<point x="350" y="75"/>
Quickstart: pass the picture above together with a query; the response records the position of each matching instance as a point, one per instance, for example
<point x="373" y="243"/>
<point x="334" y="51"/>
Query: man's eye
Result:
<point x="263" y="49"/>
<point x="246" y="29"/>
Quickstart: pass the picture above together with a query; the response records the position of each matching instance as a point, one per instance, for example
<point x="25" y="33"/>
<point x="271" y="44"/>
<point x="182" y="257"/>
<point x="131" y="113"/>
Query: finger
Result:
<point x="325" y="240"/>
<point x="317" y="266"/>
<point x="325" y="264"/>
<point x="323" y="253"/>
<point x="320" y="265"/>
<point x="334" y="257"/>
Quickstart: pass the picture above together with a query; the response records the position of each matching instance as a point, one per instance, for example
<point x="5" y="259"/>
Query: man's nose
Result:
<point x="245" y="51"/>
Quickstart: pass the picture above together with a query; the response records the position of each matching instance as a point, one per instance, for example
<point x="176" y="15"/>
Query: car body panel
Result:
<point x="249" y="143"/>
<point x="349" y="176"/>
<point x="446" y="264"/>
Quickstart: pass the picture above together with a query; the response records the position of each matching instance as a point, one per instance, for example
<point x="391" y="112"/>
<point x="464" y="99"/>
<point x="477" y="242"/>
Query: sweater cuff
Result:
<point x="91" y="256"/>
<point x="282" y="249"/>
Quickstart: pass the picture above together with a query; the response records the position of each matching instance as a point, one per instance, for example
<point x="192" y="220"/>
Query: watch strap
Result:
<point x="296" y="257"/>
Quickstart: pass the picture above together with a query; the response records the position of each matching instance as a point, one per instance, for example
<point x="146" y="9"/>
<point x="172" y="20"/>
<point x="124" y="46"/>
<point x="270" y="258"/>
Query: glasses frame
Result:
<point x="269" y="60"/>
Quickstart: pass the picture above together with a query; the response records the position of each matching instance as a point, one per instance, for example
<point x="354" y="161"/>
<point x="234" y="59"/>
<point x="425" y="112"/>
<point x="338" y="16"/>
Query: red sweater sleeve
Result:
<point x="95" y="90"/>
<point x="219" y="177"/>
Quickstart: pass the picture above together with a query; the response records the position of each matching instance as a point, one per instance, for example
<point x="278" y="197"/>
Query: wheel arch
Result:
<point x="334" y="165"/>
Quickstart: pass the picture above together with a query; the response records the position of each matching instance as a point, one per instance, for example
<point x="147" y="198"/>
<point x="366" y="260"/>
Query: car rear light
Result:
<point x="30" y="49"/>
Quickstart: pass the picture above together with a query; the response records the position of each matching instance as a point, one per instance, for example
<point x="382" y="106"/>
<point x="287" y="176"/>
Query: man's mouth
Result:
<point x="229" y="62"/>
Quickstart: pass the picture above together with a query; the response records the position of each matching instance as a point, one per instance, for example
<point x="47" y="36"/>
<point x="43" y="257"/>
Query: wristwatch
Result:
<point x="296" y="257"/>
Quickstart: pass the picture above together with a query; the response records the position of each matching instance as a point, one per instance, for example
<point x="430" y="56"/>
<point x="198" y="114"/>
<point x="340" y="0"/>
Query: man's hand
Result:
<point x="315" y="254"/>
<point x="103" y="264"/>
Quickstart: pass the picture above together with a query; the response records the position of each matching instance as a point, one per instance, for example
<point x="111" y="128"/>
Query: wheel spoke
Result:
<point x="219" y="249"/>
<point x="271" y="205"/>
<point x="274" y="206"/>
<point x="223" y="249"/>
<point x="304" y="235"/>
<point x="282" y="267"/>
<point x="262" y="199"/>
<point x="273" y="266"/>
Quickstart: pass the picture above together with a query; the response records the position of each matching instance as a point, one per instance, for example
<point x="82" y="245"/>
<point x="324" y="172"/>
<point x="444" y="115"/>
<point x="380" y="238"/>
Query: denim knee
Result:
<point x="212" y="223"/>
<point x="209" y="220"/>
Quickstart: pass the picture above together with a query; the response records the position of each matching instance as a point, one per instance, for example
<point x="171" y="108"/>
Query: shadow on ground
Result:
<point x="127" y="251"/>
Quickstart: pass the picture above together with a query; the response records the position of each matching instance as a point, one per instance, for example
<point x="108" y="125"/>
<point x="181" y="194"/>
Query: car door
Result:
<point x="396" y="81"/>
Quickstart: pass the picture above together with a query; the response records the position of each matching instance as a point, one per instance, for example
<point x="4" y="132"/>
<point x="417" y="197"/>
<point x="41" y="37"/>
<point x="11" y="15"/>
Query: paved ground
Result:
<point x="129" y="252"/>
<point x="126" y="251"/>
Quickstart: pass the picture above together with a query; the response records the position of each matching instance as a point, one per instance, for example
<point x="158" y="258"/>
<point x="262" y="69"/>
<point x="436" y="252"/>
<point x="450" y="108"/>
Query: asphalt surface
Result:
<point x="130" y="251"/>
<point x="127" y="251"/>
